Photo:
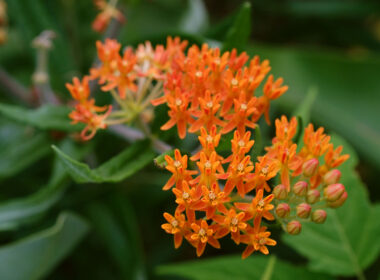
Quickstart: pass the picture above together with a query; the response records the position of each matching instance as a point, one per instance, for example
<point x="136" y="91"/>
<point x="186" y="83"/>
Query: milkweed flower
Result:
<point x="221" y="189"/>
<point x="108" y="11"/>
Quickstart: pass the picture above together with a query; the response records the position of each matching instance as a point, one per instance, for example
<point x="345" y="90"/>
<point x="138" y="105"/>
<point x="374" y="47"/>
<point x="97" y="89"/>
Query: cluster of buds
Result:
<point x="309" y="178"/>
<point x="108" y="12"/>
<point x="3" y="21"/>
<point x="215" y="95"/>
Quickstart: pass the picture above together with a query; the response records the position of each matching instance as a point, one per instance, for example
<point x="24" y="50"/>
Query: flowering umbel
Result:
<point x="216" y="96"/>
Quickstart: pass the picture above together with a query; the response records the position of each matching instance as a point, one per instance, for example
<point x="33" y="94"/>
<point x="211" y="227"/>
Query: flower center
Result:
<point x="240" y="167"/>
<point x="185" y="195"/>
<point x="177" y="164"/>
<point x="241" y="143"/>
<point x="243" y="106"/>
<point x="262" y="241"/>
<point x="264" y="170"/>
<point x="202" y="232"/>
<point x="234" y="82"/>
<point x="209" y="104"/>
<point x="208" y="164"/>
<point x="199" y="74"/>
<point x="178" y="102"/>
<point x="234" y="221"/>
<point x="261" y="203"/>
<point x="174" y="223"/>
<point x="212" y="195"/>
<point x="209" y="138"/>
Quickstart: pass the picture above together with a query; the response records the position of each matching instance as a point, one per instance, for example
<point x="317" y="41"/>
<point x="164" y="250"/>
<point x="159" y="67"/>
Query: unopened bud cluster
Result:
<point x="315" y="186"/>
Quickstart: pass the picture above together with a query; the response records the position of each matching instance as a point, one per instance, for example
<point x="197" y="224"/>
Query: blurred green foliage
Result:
<point x="329" y="47"/>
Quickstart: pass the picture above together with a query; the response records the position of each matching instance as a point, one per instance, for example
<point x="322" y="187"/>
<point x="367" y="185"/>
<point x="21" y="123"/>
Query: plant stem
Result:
<point x="132" y="134"/>
<point x="14" y="88"/>
<point x="267" y="275"/>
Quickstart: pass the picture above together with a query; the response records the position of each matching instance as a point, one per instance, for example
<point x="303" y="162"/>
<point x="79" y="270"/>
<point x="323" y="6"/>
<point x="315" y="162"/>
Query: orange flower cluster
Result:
<point x="206" y="88"/>
<point x="214" y="94"/>
<point x="203" y="191"/>
<point x="85" y="110"/>
<point x="108" y="12"/>
<point x="134" y="78"/>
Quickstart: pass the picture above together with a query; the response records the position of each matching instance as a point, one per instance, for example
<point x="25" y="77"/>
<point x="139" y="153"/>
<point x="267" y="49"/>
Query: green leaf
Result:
<point x="17" y="212"/>
<point x="160" y="160"/>
<point x="348" y="107"/>
<point x="35" y="256"/>
<point x="346" y="243"/>
<point x="195" y="18"/>
<point x="20" y="153"/>
<point x="303" y="112"/>
<point x="116" y="169"/>
<point x="46" y="117"/>
<point x="233" y="267"/>
<point x="116" y="224"/>
<point x="238" y="34"/>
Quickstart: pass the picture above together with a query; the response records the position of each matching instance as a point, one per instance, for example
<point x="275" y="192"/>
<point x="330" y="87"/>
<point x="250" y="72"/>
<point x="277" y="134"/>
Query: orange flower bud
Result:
<point x="339" y="202"/>
<point x="333" y="192"/>
<point x="332" y="177"/>
<point x="303" y="210"/>
<point x="319" y="216"/>
<point x="300" y="188"/>
<point x="280" y="192"/>
<point x="310" y="167"/>
<point x="283" y="210"/>
<point x="294" y="227"/>
<point x="313" y="196"/>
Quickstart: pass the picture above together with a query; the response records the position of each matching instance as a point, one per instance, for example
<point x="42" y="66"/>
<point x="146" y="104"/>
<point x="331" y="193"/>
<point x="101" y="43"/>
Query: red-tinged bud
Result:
<point x="294" y="227"/>
<point x="310" y="167"/>
<point x="283" y="210"/>
<point x="280" y="192"/>
<point x="300" y="188"/>
<point x="333" y="192"/>
<point x="338" y="202"/>
<point x="319" y="216"/>
<point x="332" y="177"/>
<point x="303" y="210"/>
<point x="313" y="196"/>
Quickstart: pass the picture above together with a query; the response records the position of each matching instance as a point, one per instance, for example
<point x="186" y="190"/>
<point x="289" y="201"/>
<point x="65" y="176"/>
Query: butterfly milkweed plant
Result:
<point x="214" y="94"/>
<point x="204" y="124"/>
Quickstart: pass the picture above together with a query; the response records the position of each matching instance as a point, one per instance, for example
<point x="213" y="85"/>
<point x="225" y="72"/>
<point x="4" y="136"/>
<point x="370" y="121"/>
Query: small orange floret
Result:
<point x="178" y="167"/>
<point x="257" y="241"/>
<point x="203" y="234"/>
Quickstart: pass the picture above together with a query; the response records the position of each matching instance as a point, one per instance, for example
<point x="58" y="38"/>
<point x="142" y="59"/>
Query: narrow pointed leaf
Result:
<point x="303" y="112"/>
<point x="238" y="34"/>
<point x="195" y="18"/>
<point x="17" y="212"/>
<point x="20" y="153"/>
<point x="233" y="267"/>
<point x="116" y="225"/>
<point x="116" y="169"/>
<point x="46" y="117"/>
<point x="35" y="256"/>
<point x="346" y="244"/>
